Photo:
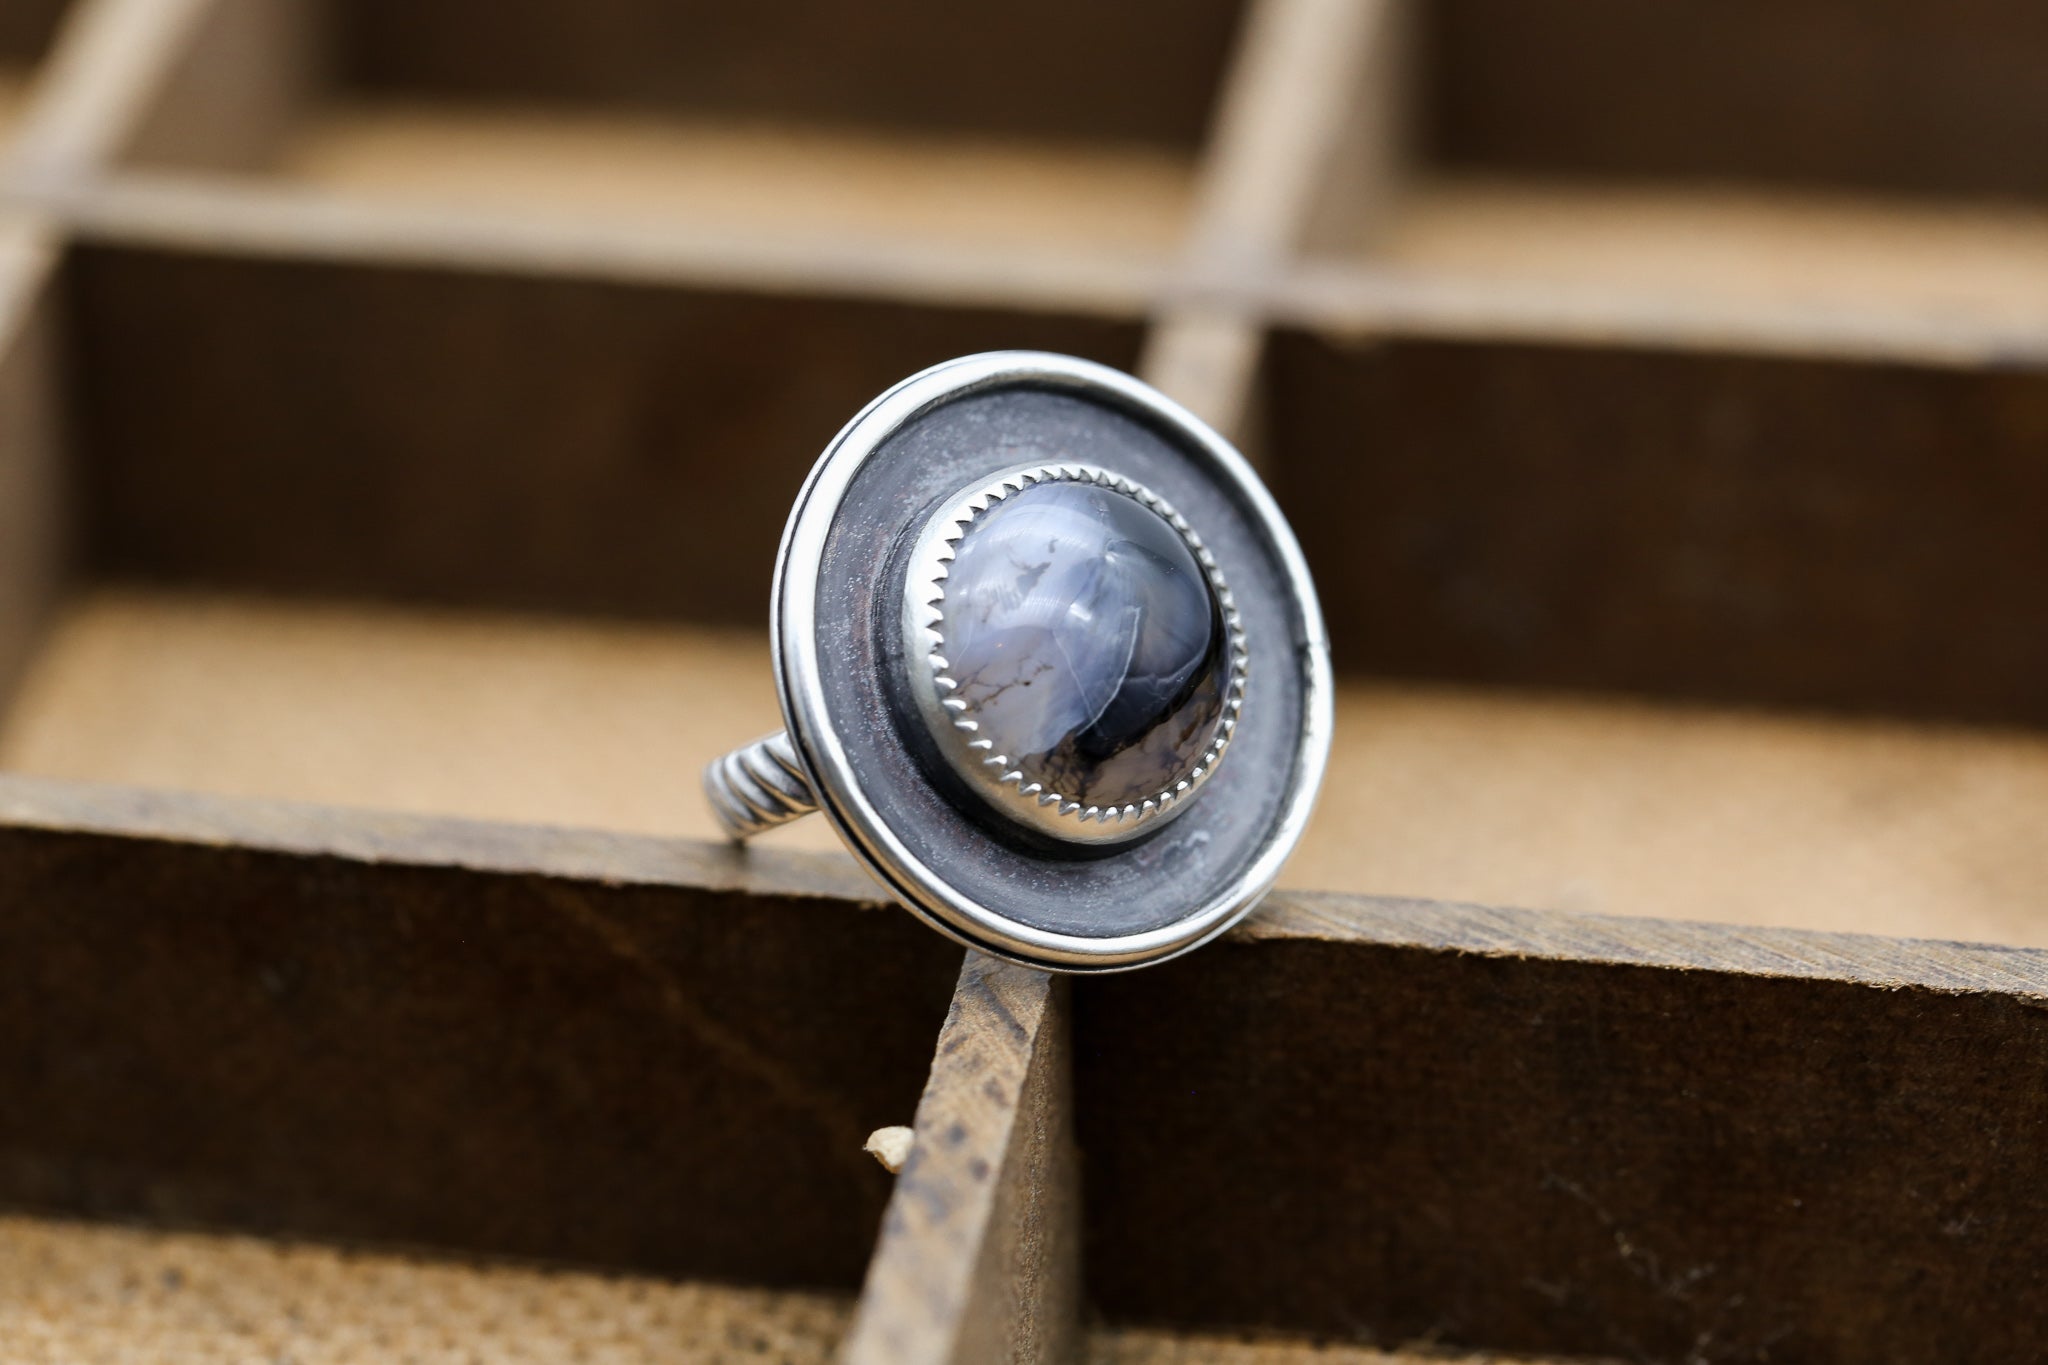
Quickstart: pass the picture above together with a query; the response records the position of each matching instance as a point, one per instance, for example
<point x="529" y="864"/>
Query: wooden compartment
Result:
<point x="1647" y="428"/>
<point x="980" y="130"/>
<point x="1813" y="176"/>
<point x="395" y="429"/>
<point x="397" y="529"/>
<point x="476" y="437"/>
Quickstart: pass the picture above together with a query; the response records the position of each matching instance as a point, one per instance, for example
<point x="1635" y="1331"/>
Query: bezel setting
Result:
<point x="1119" y="907"/>
<point x="1000" y="778"/>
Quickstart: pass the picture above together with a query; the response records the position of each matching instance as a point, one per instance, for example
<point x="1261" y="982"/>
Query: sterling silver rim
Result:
<point x="823" y="751"/>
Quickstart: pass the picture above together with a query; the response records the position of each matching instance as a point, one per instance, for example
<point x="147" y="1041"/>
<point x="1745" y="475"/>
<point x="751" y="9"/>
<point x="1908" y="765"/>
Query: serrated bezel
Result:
<point x="998" y="777"/>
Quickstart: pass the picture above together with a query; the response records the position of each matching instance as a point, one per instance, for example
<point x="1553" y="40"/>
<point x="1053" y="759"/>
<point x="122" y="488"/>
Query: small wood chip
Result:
<point x="891" y="1147"/>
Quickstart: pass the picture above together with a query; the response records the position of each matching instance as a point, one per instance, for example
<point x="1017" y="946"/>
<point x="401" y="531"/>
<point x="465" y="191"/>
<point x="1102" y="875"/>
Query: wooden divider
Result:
<point x="1295" y="108"/>
<point x="1392" y="1119"/>
<point x="980" y="1257"/>
<point x="34" y="510"/>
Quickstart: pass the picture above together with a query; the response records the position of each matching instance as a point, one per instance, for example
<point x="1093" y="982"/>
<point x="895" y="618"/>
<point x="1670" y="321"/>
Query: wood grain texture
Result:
<point x="1553" y="1133"/>
<point x="1727" y="527"/>
<point x="979" y="1256"/>
<point x="1397" y="1120"/>
<point x="34" y="512"/>
<point x="575" y="1047"/>
<point x="475" y="437"/>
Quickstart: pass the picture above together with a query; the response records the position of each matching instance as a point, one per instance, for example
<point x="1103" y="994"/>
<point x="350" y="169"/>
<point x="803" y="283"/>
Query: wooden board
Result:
<point x="576" y="1047"/>
<point x="1537" y="1131"/>
<point x="980" y="1257"/>
<point x="1568" y="1134"/>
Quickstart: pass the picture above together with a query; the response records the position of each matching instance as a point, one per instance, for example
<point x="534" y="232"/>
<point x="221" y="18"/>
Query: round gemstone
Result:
<point x="1086" y="643"/>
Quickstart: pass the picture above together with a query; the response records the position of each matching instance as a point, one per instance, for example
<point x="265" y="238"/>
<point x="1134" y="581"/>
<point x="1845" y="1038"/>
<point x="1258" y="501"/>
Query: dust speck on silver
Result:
<point x="1074" y="651"/>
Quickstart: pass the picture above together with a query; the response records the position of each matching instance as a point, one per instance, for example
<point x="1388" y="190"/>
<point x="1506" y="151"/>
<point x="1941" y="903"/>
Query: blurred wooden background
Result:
<point x="398" y="410"/>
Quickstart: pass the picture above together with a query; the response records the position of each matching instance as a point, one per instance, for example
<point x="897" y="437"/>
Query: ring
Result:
<point x="1049" y="660"/>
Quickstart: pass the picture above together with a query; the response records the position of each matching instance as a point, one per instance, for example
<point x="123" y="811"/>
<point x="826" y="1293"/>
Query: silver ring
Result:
<point x="1049" y="660"/>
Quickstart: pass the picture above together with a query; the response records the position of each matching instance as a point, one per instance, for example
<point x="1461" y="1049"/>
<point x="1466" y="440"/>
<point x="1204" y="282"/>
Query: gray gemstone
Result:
<point x="1086" y="642"/>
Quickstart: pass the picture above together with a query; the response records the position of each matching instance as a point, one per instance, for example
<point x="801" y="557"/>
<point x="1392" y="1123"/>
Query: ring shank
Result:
<point x="758" y="786"/>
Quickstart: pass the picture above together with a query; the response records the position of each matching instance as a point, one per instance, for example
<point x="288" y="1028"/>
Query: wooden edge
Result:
<point x="251" y="217"/>
<point x="633" y="859"/>
<point x="1205" y="342"/>
<point x="1738" y="950"/>
<point x="428" y="840"/>
<point x="33" y="551"/>
<point x="110" y="62"/>
<point x="1370" y="302"/>
<point x="1288" y="115"/>
<point x="979" y="1258"/>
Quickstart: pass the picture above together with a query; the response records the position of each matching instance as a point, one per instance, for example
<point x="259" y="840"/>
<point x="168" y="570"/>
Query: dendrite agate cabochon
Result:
<point x="1085" y="657"/>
